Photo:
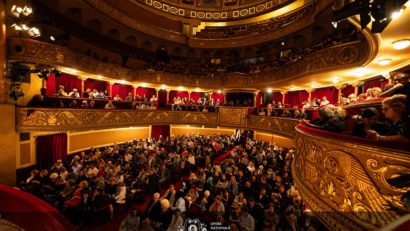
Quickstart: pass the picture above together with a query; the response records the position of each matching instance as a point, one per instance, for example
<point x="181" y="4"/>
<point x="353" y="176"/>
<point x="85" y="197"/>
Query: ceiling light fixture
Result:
<point x="384" y="62"/>
<point x="397" y="14"/>
<point x="100" y="77"/>
<point x="292" y="88"/>
<point x="163" y="87"/>
<point x="181" y="88"/>
<point x="269" y="90"/>
<point x="335" y="80"/>
<point x="401" y="44"/>
<point x="197" y="90"/>
<point x="219" y="91"/>
<point x="313" y="85"/>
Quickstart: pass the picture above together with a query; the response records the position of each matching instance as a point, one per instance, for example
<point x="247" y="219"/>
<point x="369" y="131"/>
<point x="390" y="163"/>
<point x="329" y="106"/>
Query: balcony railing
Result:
<point x="345" y="181"/>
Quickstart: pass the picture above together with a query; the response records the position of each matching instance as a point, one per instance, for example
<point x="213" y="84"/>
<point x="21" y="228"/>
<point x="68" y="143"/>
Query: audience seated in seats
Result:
<point x="84" y="104"/>
<point x="94" y="94"/>
<point x="398" y="131"/>
<point x="87" y="93"/>
<point x="102" y="95"/>
<point x="361" y="97"/>
<point x="324" y="101"/>
<point x="374" y="93"/>
<point x="129" y="97"/>
<point x="109" y="105"/>
<point x="117" y="98"/>
<point x="92" y="104"/>
<point x="98" y="183"/>
<point x="369" y="120"/>
<point x="329" y="119"/>
<point x="61" y="91"/>
<point x="74" y="93"/>
<point x="401" y="87"/>
<point x="131" y="222"/>
<point x="73" y="104"/>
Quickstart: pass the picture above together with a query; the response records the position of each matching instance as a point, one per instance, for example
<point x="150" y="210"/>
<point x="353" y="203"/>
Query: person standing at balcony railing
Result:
<point x="401" y="87"/>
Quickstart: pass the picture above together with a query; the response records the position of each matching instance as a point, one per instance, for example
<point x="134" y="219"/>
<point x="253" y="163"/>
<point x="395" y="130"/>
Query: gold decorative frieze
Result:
<point x="64" y="119"/>
<point x="47" y="119"/>
<point x="345" y="183"/>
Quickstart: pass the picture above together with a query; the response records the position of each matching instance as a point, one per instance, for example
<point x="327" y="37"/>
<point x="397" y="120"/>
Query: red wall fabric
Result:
<point x="277" y="97"/>
<point x="217" y="96"/>
<point x="173" y="93"/>
<point x="101" y="85"/>
<point x="51" y="85"/>
<point x="349" y="89"/>
<point x="196" y="95"/>
<point x="89" y="83"/>
<point x="371" y="84"/>
<point x="51" y="148"/>
<point x="384" y="83"/>
<point x="297" y="97"/>
<point x="330" y="92"/>
<point x="145" y="91"/>
<point x="259" y="98"/>
<point x="115" y="89"/>
<point x="157" y="130"/>
<point x="69" y="82"/>
<point x="123" y="90"/>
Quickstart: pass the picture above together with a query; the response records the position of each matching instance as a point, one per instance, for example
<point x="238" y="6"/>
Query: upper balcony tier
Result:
<point x="345" y="55"/>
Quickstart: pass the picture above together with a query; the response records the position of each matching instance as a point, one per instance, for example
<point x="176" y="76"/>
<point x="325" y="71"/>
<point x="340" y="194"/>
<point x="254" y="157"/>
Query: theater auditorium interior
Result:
<point x="169" y="115"/>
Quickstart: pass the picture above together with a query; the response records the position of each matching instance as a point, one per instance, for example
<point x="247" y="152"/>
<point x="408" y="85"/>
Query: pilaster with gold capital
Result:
<point x="82" y="83"/>
<point x="310" y="90"/>
<point x="283" y="92"/>
<point x="111" y="84"/>
<point x="189" y="95"/>
<point x="356" y="86"/>
<point x="339" y="88"/>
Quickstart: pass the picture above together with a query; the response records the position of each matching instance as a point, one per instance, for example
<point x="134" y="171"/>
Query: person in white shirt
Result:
<point x="176" y="221"/>
<point x="121" y="193"/>
<point x="74" y="93"/>
<point x="324" y="101"/>
<point x="117" y="98"/>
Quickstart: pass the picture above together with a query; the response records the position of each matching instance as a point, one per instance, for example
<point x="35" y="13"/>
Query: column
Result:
<point x="356" y="86"/>
<point x="189" y="95"/>
<point x="210" y="96"/>
<point x="111" y="83"/>
<point x="167" y="95"/>
<point x="255" y="95"/>
<point x="82" y="85"/>
<point x="310" y="93"/>
<point x="8" y="141"/>
<point x="283" y="92"/>
<point x="134" y="90"/>
<point x="339" y="88"/>
<point x="157" y="92"/>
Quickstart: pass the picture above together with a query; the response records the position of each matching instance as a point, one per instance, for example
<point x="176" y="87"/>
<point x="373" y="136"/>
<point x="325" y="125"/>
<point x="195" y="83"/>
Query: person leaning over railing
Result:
<point x="394" y="109"/>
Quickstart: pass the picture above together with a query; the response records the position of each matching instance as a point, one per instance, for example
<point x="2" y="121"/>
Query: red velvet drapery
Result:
<point x="51" y="148"/>
<point x="157" y="130"/>
<point x="162" y="99"/>
<point x="180" y="94"/>
<point x="349" y="89"/>
<point x="330" y="92"/>
<point x="146" y="92"/>
<point x="217" y="96"/>
<point x="297" y="97"/>
<point x="69" y="82"/>
<point x="196" y="95"/>
<point x="277" y="97"/>
<point x="95" y="84"/>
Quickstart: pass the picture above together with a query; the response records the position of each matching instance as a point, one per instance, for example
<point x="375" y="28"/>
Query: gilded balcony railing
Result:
<point x="345" y="182"/>
<point x="64" y="119"/>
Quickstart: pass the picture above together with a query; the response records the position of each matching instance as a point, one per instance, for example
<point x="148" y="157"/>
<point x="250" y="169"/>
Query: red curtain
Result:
<point x="219" y="96"/>
<point x="69" y="82"/>
<point x="51" y="85"/>
<point x="259" y="96"/>
<point x="100" y="85"/>
<point x="196" y="95"/>
<point x="330" y="92"/>
<point x="89" y="83"/>
<point x="51" y="148"/>
<point x="371" y="83"/>
<point x="384" y="83"/>
<point x="349" y="89"/>
<point x="147" y="92"/>
<point x="180" y="94"/>
<point x="157" y="130"/>
<point x="277" y="97"/>
<point x="107" y="87"/>
<point x="297" y="97"/>
<point x="115" y="89"/>
<point x="123" y="90"/>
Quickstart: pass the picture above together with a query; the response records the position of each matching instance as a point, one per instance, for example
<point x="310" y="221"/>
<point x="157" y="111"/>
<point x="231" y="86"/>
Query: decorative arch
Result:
<point x="74" y="14"/>
<point x="146" y="45"/>
<point x="131" y="40"/>
<point x="113" y="33"/>
<point x="176" y="51"/>
<point x="94" y="25"/>
<point x="191" y="53"/>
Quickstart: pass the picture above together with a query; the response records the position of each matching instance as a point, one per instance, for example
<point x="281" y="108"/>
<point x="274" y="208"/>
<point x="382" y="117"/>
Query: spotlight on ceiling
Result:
<point x="401" y="44"/>
<point x="269" y="90"/>
<point x="219" y="91"/>
<point x="379" y="10"/>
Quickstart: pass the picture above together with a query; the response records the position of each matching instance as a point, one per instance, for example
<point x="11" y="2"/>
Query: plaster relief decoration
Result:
<point x="336" y="175"/>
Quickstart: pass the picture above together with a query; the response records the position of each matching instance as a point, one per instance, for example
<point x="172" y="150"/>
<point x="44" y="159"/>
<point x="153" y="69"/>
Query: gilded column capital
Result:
<point x="283" y="92"/>
<point x="340" y="86"/>
<point x="357" y="84"/>
<point x="310" y="90"/>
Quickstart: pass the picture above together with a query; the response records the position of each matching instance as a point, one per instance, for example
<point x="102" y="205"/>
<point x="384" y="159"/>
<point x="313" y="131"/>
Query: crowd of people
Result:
<point x="239" y="183"/>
